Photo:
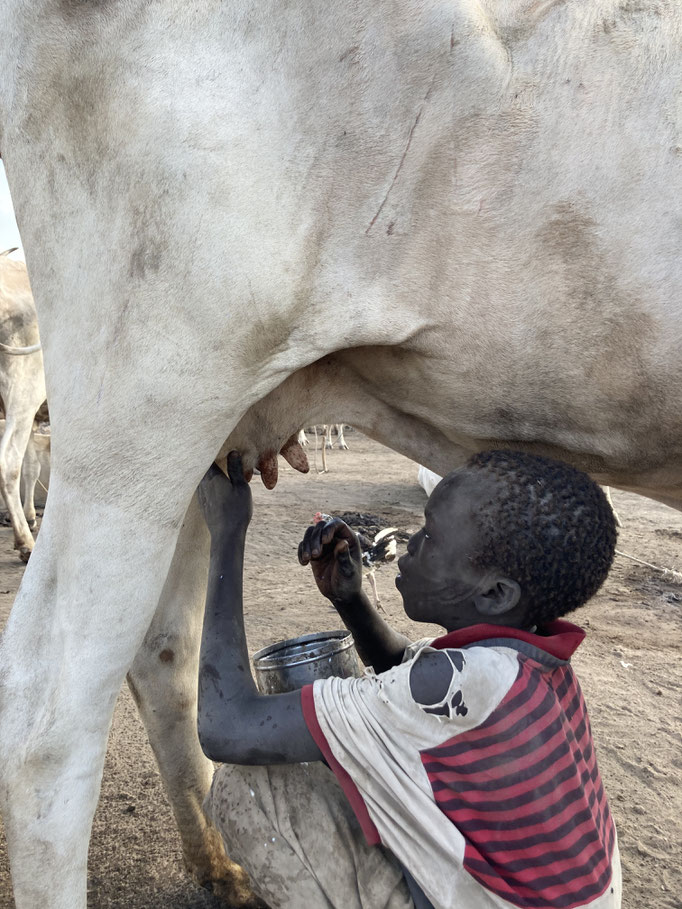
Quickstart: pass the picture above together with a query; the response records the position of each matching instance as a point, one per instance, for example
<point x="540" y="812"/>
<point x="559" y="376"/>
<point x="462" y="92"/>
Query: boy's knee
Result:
<point x="235" y="808"/>
<point x="243" y="799"/>
<point x="233" y="790"/>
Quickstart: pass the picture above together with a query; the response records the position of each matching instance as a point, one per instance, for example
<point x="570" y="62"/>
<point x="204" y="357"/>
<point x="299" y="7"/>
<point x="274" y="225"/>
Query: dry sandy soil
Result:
<point x="629" y="667"/>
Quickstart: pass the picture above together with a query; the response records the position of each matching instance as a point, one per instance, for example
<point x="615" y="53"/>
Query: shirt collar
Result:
<point x="560" y="639"/>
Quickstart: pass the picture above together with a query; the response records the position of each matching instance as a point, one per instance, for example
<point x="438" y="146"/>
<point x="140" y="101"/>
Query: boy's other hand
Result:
<point x="333" y="552"/>
<point x="225" y="501"/>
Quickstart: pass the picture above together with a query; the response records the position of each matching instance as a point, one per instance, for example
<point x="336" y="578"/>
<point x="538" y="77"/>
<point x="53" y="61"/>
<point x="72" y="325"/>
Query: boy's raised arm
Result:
<point x="236" y="724"/>
<point x="333" y="552"/>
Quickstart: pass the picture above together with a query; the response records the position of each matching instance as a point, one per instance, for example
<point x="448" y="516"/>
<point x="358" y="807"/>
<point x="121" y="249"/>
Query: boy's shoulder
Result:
<point x="478" y="665"/>
<point x="552" y="646"/>
<point x="461" y="682"/>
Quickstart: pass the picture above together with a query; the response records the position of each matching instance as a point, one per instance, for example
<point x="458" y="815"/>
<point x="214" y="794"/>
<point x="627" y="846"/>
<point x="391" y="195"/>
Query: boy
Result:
<point x="468" y="758"/>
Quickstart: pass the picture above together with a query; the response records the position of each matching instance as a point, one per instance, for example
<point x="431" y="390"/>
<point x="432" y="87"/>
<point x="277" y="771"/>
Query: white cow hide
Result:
<point x="456" y="224"/>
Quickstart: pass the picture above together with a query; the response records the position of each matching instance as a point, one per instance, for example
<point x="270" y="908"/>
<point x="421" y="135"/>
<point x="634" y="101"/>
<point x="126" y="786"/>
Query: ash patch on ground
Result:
<point x="368" y="525"/>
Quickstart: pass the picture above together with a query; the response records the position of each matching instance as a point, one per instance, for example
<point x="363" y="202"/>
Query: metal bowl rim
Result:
<point x="264" y="660"/>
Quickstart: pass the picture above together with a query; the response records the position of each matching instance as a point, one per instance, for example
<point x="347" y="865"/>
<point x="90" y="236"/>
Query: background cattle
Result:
<point x="22" y="389"/>
<point x="327" y="430"/>
<point x="35" y="470"/>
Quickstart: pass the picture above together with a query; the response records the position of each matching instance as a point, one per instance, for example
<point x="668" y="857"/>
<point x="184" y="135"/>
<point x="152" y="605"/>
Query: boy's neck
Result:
<point x="513" y="619"/>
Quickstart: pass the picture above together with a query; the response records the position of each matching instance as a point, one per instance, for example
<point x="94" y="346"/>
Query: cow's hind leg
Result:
<point x="163" y="682"/>
<point x="30" y="471"/>
<point x="341" y="439"/>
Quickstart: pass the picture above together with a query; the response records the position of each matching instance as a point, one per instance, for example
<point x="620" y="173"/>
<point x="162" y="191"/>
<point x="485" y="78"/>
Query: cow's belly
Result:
<point x="457" y="195"/>
<point x="438" y="410"/>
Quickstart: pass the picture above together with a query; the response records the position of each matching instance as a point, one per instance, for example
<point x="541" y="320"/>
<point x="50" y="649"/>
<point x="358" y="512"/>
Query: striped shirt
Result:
<point x="493" y="801"/>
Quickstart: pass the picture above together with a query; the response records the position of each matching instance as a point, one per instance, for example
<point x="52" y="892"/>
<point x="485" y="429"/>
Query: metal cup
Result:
<point x="289" y="665"/>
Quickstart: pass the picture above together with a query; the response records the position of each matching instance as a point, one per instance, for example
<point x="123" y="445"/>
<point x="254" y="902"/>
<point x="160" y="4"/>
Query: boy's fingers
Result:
<point x="235" y="468"/>
<point x="316" y="539"/>
<point x="343" y="557"/>
<point x="317" y="536"/>
<point x="329" y="530"/>
<point x="304" y="546"/>
<point x="337" y="528"/>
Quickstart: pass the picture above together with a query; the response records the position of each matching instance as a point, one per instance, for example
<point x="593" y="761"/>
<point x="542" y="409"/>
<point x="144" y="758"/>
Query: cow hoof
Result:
<point x="231" y="900"/>
<point x="25" y="553"/>
<point x="343" y="447"/>
<point x="227" y="880"/>
<point x="234" y="889"/>
<point x="32" y="524"/>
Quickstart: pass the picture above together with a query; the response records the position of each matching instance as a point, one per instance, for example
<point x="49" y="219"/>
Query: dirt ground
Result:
<point x="629" y="667"/>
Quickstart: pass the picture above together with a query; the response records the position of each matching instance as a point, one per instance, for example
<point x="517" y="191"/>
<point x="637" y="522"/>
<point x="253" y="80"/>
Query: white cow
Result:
<point x="454" y="223"/>
<point x="22" y="388"/>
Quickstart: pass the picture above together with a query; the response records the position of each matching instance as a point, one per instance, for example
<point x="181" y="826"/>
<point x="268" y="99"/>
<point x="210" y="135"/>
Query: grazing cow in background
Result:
<point x="454" y="223"/>
<point x="22" y="388"/>
<point x="327" y="431"/>
<point x="340" y="437"/>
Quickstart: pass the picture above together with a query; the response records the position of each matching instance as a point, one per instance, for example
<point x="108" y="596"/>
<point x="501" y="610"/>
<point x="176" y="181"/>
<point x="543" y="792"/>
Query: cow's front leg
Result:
<point x="163" y="682"/>
<point x="86" y="601"/>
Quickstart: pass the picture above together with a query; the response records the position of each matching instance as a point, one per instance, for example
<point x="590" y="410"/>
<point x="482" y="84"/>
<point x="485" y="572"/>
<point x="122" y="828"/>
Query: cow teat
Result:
<point x="293" y="454"/>
<point x="267" y="465"/>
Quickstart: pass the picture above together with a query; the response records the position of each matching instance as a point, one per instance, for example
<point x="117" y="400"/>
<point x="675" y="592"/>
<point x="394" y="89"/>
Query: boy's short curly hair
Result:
<point x="549" y="527"/>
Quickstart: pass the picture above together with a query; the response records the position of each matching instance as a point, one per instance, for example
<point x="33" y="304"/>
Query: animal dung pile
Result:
<point x="368" y="525"/>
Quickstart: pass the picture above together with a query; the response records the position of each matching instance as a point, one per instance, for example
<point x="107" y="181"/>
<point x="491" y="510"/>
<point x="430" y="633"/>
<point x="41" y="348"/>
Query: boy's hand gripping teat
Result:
<point x="225" y="501"/>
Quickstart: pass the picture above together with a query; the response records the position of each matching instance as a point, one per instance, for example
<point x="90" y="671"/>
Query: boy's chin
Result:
<point x="412" y="610"/>
<point x="406" y="600"/>
<point x="415" y="608"/>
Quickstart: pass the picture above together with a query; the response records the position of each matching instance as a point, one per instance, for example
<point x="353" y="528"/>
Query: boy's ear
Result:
<point x="501" y="596"/>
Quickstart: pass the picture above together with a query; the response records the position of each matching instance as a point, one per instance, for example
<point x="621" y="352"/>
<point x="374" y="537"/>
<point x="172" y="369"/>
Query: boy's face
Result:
<point x="437" y="579"/>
